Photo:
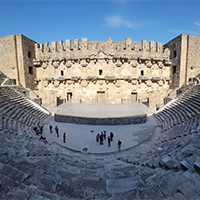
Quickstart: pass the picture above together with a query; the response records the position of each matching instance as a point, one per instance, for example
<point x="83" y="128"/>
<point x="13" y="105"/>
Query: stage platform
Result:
<point x="101" y="113"/>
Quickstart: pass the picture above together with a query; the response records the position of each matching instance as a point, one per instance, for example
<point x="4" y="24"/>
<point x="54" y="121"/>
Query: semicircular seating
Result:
<point x="164" y="167"/>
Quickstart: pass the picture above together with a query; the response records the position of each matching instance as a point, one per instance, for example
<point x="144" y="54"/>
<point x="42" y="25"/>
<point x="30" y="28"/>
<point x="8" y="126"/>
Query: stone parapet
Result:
<point x="83" y="48"/>
<point x="101" y="121"/>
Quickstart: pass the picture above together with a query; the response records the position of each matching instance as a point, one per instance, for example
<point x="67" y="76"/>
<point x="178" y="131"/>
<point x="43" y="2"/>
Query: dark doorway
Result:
<point x="69" y="96"/>
<point x="60" y="101"/>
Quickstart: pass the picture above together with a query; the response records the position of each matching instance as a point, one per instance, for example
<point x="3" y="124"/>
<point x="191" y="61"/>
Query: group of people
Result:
<point x="101" y="137"/>
<point x="39" y="131"/>
<point x="57" y="132"/>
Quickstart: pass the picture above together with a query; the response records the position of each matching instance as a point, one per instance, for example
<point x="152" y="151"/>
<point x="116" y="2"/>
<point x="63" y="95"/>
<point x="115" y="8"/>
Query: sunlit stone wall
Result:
<point x="111" y="72"/>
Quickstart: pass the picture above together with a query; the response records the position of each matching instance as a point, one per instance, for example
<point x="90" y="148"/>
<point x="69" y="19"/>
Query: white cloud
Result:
<point x="118" y="22"/>
<point x="197" y="23"/>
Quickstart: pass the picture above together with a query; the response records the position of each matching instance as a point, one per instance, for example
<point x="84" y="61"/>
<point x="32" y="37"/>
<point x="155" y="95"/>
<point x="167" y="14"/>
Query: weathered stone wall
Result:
<point x="8" y="57"/>
<point x="26" y="54"/>
<point x="16" y="56"/>
<point x="112" y="72"/>
<point x="49" y="97"/>
<point x="83" y="49"/>
<point x="193" y="56"/>
<point x="101" y="121"/>
<point x="184" y="54"/>
<point x="178" y="55"/>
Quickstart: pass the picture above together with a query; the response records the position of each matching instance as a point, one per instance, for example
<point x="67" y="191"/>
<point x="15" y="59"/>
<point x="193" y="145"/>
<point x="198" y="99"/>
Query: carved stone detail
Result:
<point x="100" y="82"/>
<point x="118" y="63"/>
<point x="160" y="64"/>
<point x="69" y="82"/>
<point x="160" y="83"/>
<point x="44" y="65"/>
<point x="37" y="62"/>
<point x="134" y="82"/>
<point x="45" y="83"/>
<point x="149" y="64"/>
<point x="134" y="64"/>
<point x="56" y="83"/>
<point x="68" y="64"/>
<point x="84" y="83"/>
<point x="148" y="83"/>
<point x="84" y="63"/>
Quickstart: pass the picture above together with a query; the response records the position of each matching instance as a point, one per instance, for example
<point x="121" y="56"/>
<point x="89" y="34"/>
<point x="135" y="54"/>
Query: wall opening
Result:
<point x="69" y="96"/>
<point x="30" y="70"/>
<point x="174" y="70"/>
<point x="29" y="54"/>
<point x="175" y="54"/>
<point x="100" y="72"/>
<point x="60" y="101"/>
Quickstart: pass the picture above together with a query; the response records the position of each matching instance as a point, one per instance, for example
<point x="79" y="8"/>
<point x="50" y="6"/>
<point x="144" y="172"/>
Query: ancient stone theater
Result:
<point x="55" y="152"/>
<point x="100" y="71"/>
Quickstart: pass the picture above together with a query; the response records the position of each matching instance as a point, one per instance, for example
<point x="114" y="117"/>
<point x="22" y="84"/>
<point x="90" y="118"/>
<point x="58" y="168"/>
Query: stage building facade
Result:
<point x="100" y="71"/>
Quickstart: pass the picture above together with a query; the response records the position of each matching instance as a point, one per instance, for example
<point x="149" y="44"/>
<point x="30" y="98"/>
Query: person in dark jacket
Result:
<point x="101" y="139"/>
<point x="50" y="128"/>
<point x="64" y="137"/>
<point x="109" y="140"/>
<point x="119" y="145"/>
<point x="111" y="136"/>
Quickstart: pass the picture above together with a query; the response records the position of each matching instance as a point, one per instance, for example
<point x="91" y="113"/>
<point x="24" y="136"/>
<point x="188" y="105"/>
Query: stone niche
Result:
<point x="148" y="83"/>
<point x="84" y="83"/>
<point x="56" y="83"/>
<point x="45" y="83"/>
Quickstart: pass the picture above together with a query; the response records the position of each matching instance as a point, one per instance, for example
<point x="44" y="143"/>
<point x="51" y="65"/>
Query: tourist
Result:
<point x="45" y="141"/>
<point x="50" y="128"/>
<point x="41" y="129"/>
<point x="97" y="137"/>
<point x="35" y="129"/>
<point x="64" y="137"/>
<point x="104" y="134"/>
<point x="101" y="139"/>
<point x="109" y="140"/>
<point x="119" y="145"/>
<point x="111" y="136"/>
<point x="38" y="132"/>
<point x="41" y="137"/>
<point x="56" y="128"/>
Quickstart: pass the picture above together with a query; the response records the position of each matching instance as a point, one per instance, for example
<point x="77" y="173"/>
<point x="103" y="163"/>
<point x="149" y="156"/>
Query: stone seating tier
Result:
<point x="15" y="108"/>
<point x="164" y="167"/>
<point x="184" y="111"/>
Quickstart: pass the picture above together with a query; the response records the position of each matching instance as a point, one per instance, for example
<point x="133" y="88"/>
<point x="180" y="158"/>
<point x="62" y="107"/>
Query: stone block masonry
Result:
<point x="103" y="71"/>
<point x="101" y="121"/>
<point x="109" y="71"/>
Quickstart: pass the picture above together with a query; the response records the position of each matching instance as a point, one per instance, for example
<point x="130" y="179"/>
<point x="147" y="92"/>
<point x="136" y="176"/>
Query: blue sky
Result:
<point x="157" y="20"/>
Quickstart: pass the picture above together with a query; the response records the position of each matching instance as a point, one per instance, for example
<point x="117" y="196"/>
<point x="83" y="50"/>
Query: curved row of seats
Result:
<point x="177" y="145"/>
<point x="18" y="112"/>
<point x="181" y="116"/>
<point x="160" y="168"/>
